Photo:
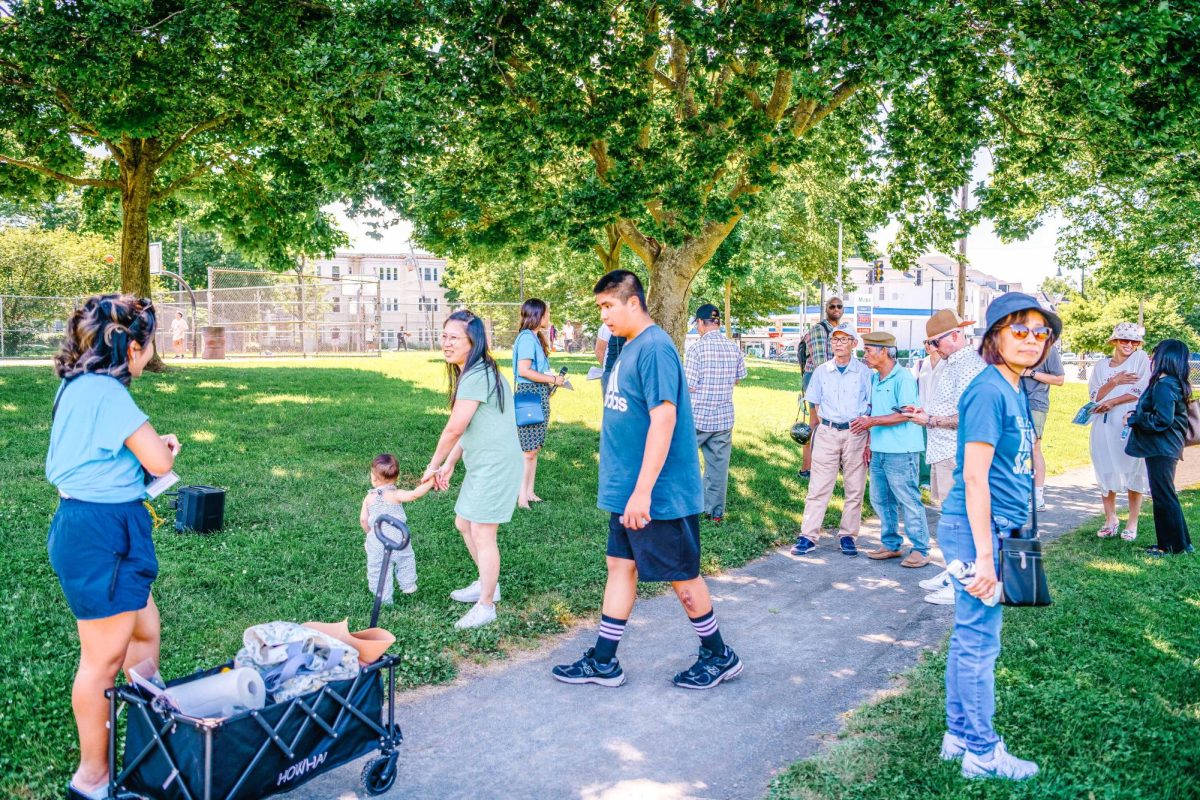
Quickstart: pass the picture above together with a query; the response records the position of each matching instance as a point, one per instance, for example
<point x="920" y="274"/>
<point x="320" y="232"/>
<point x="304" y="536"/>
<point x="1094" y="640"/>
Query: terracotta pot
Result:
<point x="371" y="643"/>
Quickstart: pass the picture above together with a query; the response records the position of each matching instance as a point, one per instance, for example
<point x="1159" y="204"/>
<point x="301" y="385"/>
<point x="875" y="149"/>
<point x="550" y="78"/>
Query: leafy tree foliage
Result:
<point x="660" y="126"/>
<point x="37" y="266"/>
<point x="1089" y="321"/>
<point x="237" y="105"/>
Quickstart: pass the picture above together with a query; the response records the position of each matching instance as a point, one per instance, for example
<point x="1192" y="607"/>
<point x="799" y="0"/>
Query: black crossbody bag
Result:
<point x="1022" y="573"/>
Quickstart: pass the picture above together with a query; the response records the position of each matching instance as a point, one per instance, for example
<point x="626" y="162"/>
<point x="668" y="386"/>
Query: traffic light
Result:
<point x="919" y="270"/>
<point x="871" y="276"/>
<point x="878" y="271"/>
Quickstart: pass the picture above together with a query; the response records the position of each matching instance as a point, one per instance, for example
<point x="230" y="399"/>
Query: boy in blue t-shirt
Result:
<point x="650" y="485"/>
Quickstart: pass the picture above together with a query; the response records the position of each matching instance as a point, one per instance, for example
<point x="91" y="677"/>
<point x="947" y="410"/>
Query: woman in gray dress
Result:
<point x="482" y="430"/>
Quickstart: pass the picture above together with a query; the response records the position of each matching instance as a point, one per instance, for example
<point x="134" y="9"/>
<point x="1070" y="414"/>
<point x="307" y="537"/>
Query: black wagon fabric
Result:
<point x="255" y="753"/>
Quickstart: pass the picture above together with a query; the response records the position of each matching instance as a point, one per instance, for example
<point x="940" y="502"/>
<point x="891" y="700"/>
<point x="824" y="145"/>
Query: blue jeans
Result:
<point x="894" y="490"/>
<point x="974" y="645"/>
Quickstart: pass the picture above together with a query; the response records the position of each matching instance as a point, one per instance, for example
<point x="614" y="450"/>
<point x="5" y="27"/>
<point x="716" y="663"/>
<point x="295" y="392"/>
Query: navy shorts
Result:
<point x="103" y="555"/>
<point x="664" y="550"/>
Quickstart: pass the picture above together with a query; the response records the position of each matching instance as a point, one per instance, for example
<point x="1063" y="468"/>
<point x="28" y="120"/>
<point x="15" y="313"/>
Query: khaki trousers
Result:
<point x="941" y="480"/>
<point x="835" y="450"/>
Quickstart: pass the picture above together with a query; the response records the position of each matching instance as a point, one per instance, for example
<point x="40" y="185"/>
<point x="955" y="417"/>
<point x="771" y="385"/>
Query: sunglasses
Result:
<point x="935" y="342"/>
<point x="1128" y="341"/>
<point x="1022" y="331"/>
<point x="833" y="305"/>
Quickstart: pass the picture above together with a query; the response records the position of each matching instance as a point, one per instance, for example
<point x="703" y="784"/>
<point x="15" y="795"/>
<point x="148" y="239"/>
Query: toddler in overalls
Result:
<point x="385" y="498"/>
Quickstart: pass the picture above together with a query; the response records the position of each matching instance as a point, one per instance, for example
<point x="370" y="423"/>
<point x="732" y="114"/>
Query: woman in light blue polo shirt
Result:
<point x="101" y="448"/>
<point x="531" y="375"/>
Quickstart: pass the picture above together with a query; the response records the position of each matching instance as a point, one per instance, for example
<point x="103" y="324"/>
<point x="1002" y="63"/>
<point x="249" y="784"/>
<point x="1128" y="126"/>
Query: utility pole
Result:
<point x="962" y="260"/>
<point x="728" y="319"/>
<point x="840" y="284"/>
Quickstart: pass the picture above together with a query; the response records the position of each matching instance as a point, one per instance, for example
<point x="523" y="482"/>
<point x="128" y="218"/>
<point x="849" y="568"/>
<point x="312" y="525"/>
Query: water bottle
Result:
<point x="965" y="572"/>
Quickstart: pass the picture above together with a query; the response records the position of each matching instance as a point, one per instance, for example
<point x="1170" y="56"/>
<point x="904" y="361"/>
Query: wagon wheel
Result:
<point x="379" y="774"/>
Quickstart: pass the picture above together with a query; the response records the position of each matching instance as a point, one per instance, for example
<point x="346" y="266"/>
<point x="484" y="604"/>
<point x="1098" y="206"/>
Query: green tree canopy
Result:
<point x="1089" y="322"/>
<point x="243" y="106"/>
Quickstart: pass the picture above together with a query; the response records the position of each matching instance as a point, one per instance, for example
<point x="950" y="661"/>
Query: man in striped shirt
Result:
<point x="714" y="366"/>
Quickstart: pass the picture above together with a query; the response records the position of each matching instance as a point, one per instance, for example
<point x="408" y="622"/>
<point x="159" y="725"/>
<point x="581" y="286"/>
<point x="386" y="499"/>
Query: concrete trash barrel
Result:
<point x="212" y="338"/>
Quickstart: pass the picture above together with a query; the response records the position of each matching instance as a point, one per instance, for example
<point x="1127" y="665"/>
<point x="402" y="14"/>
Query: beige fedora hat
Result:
<point x="944" y="321"/>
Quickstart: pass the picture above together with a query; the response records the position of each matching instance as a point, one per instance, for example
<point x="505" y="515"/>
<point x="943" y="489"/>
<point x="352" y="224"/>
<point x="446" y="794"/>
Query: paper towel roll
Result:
<point x="218" y="695"/>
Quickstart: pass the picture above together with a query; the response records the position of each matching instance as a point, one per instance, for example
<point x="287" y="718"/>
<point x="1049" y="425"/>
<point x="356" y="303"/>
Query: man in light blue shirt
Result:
<point x="839" y="393"/>
<point x="895" y="453"/>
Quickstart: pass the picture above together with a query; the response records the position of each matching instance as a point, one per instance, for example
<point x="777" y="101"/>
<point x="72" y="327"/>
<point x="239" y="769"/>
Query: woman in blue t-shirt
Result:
<point x="101" y="447"/>
<point x="993" y="485"/>
<point x="531" y="367"/>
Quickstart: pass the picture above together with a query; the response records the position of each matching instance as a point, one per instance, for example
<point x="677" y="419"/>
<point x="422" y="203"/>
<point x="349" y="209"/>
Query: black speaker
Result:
<point x="200" y="509"/>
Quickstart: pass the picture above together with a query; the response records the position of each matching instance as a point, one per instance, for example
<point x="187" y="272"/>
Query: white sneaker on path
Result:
<point x="998" y="764"/>
<point x="936" y="582"/>
<point x="470" y="594"/>
<point x="477" y="617"/>
<point x="942" y="597"/>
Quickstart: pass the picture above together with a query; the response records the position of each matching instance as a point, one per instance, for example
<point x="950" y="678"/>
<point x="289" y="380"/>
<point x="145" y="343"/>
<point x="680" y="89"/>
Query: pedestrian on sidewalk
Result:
<point x="1157" y="429"/>
<point x="840" y="392"/>
<point x="1115" y="386"/>
<point x="650" y="486"/>
<point x="991" y="495"/>
<point x="1036" y="383"/>
<point x="895" y="453"/>
<point x="813" y="351"/>
<point x="940" y="418"/>
<point x="714" y="366"/>
<point x="482" y="430"/>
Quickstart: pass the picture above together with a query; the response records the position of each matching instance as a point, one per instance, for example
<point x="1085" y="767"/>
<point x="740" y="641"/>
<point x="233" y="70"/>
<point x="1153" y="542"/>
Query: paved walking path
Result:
<point x="820" y="635"/>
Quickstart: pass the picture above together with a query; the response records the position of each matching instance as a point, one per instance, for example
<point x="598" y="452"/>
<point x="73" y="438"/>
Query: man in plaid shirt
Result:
<point x="814" y="350"/>
<point x="714" y="365"/>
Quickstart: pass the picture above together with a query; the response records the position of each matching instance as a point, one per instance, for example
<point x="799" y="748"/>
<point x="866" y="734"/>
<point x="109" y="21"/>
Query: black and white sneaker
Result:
<point x="589" y="670"/>
<point x="709" y="670"/>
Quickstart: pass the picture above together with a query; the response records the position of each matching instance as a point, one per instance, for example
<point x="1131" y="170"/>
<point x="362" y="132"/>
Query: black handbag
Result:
<point x="1022" y="573"/>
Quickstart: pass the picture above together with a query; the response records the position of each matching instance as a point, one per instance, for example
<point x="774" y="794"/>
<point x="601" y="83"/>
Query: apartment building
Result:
<point x="411" y="300"/>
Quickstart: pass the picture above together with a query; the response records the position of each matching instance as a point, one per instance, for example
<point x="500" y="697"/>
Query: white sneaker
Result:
<point x="470" y="594"/>
<point x="477" y="617"/>
<point x="939" y="581"/>
<point x="953" y="747"/>
<point x="942" y="597"/>
<point x="999" y="764"/>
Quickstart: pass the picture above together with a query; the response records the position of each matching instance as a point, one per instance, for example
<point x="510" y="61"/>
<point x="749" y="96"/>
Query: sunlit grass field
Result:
<point x="291" y="442"/>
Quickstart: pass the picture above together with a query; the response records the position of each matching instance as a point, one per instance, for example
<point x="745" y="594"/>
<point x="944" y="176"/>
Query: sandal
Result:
<point x="1129" y="535"/>
<point x="1108" y="530"/>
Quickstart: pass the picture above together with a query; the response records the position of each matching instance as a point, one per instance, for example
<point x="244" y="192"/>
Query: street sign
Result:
<point x="864" y="312"/>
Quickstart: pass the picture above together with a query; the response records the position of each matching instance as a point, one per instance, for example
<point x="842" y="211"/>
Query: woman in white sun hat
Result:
<point x="1115" y="386"/>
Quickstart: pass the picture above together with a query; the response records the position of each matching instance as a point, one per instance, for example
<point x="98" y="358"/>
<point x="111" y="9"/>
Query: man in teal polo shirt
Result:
<point x="895" y="453"/>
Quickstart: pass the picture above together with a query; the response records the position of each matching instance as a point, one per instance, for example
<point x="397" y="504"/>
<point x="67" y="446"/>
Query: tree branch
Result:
<point x="645" y="247"/>
<point x="599" y="152"/>
<point x="98" y="183"/>
<point x="780" y="95"/>
<point x="191" y="132"/>
<point x="804" y="122"/>
<point x="183" y="180"/>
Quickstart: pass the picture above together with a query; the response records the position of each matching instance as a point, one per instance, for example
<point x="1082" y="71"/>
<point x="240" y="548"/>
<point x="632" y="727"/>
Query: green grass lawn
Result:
<point x="1102" y="689"/>
<point x="291" y="442"/>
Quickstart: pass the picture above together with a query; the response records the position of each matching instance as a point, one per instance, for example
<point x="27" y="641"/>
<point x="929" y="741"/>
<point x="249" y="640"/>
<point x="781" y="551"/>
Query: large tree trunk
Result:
<point x="672" y="270"/>
<point x="137" y="184"/>
<point x="671" y="277"/>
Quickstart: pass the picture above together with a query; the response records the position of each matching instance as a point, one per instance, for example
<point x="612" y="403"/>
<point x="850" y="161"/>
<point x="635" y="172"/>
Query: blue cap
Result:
<point x="1012" y="302"/>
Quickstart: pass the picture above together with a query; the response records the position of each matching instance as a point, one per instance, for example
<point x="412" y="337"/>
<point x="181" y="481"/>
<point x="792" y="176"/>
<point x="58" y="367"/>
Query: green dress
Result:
<point x="491" y="452"/>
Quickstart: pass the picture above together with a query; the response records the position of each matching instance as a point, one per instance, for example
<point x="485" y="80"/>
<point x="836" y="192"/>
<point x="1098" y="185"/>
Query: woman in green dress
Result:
<point x="482" y="430"/>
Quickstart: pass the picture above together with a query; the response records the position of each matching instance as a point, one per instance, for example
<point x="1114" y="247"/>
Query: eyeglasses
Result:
<point x="1022" y="331"/>
<point x="834" y="305"/>
<point x="1134" y="342"/>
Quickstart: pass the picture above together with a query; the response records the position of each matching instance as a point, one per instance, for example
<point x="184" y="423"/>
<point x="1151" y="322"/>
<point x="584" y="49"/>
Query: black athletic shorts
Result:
<point x="664" y="550"/>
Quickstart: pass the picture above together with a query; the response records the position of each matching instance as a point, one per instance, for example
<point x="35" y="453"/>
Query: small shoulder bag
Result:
<point x="1022" y="573"/>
